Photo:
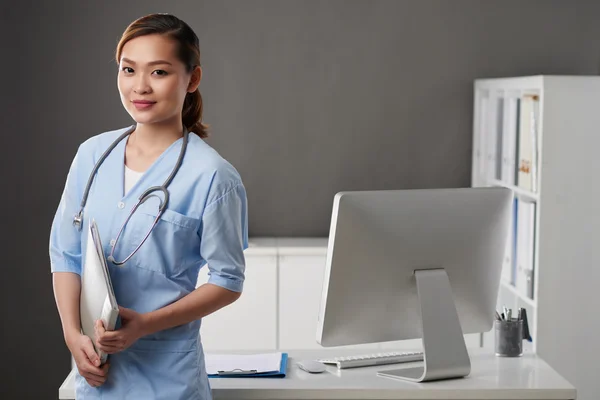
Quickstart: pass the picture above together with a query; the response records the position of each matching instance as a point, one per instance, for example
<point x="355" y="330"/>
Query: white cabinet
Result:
<point x="301" y="269"/>
<point x="280" y="303"/>
<point x="250" y="323"/>
<point x="300" y="284"/>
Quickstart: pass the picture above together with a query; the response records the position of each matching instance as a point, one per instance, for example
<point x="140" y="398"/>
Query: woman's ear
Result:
<point x="195" y="79"/>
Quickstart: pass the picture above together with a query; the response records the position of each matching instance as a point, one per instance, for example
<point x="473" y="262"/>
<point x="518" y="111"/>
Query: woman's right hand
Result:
<point x="88" y="362"/>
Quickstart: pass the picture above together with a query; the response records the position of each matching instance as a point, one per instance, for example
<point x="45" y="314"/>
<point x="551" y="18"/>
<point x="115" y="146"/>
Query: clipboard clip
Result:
<point x="238" y="371"/>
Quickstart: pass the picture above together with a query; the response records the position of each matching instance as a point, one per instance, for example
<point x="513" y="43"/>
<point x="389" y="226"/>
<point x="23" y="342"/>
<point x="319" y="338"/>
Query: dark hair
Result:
<point x="188" y="52"/>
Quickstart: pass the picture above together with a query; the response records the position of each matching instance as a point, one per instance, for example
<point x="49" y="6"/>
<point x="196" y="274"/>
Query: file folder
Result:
<point x="242" y="373"/>
<point x="97" y="298"/>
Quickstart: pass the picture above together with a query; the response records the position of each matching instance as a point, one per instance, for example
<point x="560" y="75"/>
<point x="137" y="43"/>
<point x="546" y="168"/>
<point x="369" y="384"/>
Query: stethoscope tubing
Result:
<point x="148" y="193"/>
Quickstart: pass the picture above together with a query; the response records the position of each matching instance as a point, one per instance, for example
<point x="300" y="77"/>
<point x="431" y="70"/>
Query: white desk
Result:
<point x="492" y="378"/>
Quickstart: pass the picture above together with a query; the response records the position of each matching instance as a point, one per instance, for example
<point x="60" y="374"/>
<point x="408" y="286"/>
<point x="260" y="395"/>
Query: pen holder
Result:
<point x="509" y="338"/>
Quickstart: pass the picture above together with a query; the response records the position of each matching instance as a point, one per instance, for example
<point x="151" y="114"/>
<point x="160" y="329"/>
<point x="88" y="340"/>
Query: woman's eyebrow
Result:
<point x="127" y="60"/>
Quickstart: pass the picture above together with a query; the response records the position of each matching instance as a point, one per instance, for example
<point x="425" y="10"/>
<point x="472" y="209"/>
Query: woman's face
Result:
<point x="152" y="81"/>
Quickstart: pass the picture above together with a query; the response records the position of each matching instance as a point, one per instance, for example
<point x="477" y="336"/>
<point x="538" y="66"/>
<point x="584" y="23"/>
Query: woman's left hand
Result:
<point x="132" y="328"/>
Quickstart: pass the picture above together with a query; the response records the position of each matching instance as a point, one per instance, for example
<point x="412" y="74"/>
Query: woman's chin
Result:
<point x="141" y="118"/>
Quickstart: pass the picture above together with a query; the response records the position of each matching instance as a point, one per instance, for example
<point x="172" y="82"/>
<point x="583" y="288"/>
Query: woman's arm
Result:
<point x="203" y="301"/>
<point x="67" y="288"/>
<point x="65" y="264"/>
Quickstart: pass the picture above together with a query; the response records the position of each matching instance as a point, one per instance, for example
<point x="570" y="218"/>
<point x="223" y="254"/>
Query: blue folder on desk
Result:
<point x="252" y="374"/>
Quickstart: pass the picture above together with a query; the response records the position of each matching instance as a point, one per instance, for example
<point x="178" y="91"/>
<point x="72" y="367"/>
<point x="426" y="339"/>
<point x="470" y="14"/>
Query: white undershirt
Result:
<point x="131" y="177"/>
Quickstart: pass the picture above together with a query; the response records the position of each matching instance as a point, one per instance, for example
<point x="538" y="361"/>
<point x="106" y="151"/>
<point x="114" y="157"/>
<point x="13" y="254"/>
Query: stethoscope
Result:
<point x="78" y="219"/>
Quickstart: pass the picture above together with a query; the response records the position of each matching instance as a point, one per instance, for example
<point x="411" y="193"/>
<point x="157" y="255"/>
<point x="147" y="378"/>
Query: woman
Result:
<point x="155" y="350"/>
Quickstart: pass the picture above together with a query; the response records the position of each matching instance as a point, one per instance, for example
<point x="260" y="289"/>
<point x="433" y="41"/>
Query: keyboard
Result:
<point x="367" y="360"/>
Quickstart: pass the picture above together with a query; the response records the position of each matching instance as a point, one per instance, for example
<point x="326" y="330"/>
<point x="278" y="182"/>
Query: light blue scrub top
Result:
<point x="206" y="222"/>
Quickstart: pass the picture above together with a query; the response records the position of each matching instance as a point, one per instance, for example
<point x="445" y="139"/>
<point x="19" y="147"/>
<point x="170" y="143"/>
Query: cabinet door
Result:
<point x="300" y="285"/>
<point x="250" y="322"/>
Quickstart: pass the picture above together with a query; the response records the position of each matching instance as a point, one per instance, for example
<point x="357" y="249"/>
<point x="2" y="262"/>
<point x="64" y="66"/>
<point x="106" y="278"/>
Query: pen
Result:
<point x="509" y="315"/>
<point x="498" y="316"/>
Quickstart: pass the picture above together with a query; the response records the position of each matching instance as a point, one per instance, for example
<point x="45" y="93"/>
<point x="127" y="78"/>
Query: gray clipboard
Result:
<point x="97" y="300"/>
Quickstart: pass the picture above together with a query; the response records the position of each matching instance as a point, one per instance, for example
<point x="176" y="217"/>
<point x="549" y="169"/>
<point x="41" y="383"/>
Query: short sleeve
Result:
<point x="224" y="237"/>
<point x="65" y="238"/>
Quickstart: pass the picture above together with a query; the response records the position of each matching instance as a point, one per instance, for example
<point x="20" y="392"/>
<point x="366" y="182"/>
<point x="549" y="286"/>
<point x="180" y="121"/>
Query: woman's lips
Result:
<point x="143" y="105"/>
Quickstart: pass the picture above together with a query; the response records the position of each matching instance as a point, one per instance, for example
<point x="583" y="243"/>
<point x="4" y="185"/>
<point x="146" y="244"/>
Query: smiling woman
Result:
<point x="158" y="82"/>
<point x="146" y="54"/>
<point x="155" y="350"/>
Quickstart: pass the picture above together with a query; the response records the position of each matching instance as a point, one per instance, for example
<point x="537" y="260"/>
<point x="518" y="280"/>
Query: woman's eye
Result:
<point x="127" y="70"/>
<point x="161" y="72"/>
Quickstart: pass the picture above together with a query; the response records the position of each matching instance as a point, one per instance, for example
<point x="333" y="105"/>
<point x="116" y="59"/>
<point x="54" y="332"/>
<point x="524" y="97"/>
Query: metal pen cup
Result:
<point x="509" y="338"/>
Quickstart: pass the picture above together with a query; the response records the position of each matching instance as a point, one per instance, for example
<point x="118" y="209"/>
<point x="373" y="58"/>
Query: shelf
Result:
<point x="518" y="191"/>
<point x="514" y="291"/>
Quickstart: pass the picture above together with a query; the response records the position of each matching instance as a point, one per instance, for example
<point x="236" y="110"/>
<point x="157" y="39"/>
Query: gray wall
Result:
<point x="305" y="98"/>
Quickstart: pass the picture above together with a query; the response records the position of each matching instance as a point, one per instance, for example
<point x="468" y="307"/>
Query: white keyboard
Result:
<point x="367" y="360"/>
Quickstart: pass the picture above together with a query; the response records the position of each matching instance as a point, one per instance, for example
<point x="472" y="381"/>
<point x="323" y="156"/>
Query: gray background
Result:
<point x="305" y="98"/>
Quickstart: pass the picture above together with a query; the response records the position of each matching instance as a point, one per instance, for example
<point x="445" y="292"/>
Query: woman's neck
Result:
<point x="153" y="138"/>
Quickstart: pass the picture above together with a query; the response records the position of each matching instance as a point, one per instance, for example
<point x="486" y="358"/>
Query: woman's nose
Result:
<point x="141" y="86"/>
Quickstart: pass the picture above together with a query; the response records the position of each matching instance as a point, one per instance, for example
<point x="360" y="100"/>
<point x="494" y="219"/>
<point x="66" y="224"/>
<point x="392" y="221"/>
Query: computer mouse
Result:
<point x="314" y="367"/>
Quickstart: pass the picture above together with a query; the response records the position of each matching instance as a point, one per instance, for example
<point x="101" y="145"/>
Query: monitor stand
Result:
<point x="445" y="354"/>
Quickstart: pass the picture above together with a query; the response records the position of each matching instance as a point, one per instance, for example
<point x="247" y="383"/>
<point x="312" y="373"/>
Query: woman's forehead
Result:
<point x="149" y="49"/>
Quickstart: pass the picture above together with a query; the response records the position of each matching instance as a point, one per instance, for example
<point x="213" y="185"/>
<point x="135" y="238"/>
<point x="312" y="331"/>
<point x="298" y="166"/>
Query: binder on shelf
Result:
<point x="508" y="266"/>
<point x="267" y="365"/>
<point x="514" y="241"/>
<point x="482" y="140"/>
<point x="491" y="132"/>
<point x="525" y="248"/>
<point x="528" y="139"/>
<point x="499" y="129"/>
<point x="509" y="139"/>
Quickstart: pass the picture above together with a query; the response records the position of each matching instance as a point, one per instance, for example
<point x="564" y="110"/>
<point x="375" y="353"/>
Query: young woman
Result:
<point x="155" y="350"/>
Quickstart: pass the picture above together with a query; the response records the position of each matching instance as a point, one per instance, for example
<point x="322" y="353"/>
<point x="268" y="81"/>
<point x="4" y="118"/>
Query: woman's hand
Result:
<point x="132" y="328"/>
<point x="88" y="362"/>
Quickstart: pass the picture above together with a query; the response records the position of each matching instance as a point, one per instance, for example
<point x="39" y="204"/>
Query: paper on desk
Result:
<point x="264" y="362"/>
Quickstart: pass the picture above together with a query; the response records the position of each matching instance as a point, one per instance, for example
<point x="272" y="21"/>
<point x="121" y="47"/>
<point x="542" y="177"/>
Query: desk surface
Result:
<point x="491" y="378"/>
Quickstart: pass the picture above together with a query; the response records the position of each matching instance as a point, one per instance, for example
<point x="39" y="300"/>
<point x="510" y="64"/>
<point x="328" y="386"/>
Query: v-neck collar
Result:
<point x="120" y="151"/>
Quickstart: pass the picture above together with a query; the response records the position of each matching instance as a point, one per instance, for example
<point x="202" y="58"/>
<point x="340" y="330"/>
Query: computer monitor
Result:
<point x="408" y="264"/>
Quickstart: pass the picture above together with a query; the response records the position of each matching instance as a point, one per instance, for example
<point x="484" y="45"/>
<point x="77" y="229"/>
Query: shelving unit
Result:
<point x="561" y="137"/>
<point x="507" y="113"/>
